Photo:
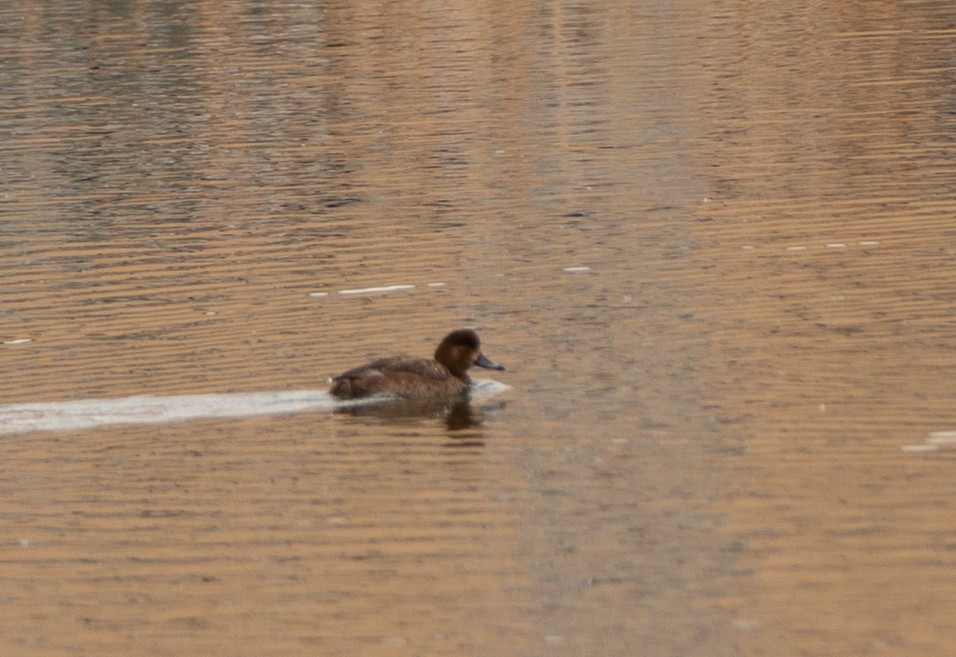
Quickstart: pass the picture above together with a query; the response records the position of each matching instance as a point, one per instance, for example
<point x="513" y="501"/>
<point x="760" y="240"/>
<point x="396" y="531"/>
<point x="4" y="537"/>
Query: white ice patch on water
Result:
<point x="377" y="290"/>
<point x="935" y="441"/>
<point x="942" y="438"/>
<point x="145" y="409"/>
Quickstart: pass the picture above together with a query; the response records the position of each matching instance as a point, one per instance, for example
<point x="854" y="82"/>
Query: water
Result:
<point x="712" y="243"/>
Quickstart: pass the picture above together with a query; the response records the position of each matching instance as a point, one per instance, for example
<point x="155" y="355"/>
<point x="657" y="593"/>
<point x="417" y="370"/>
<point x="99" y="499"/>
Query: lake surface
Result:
<point x="714" y="243"/>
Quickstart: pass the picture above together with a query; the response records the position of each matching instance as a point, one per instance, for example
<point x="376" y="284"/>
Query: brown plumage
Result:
<point x="418" y="378"/>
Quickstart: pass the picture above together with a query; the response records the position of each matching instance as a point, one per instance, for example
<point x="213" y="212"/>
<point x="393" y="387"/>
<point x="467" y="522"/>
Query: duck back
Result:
<point x="412" y="378"/>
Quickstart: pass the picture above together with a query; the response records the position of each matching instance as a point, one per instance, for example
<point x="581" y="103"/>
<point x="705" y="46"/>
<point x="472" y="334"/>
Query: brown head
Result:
<point x="461" y="349"/>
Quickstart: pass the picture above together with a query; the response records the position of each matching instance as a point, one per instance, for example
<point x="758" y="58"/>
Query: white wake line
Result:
<point x="87" y="413"/>
<point x="146" y="409"/>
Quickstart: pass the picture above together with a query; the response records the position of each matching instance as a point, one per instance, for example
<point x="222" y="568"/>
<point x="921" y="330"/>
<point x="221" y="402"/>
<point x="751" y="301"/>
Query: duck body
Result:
<point x="442" y="377"/>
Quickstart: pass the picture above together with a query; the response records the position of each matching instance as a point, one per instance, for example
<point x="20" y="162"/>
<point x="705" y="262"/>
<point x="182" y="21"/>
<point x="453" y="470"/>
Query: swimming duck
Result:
<point x="418" y="378"/>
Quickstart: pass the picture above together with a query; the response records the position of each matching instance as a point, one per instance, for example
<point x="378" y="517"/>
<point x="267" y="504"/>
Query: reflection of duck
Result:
<point x="457" y="413"/>
<point x="442" y="377"/>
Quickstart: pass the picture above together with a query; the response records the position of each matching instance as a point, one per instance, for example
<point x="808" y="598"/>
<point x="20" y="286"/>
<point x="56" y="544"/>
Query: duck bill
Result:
<point x="484" y="361"/>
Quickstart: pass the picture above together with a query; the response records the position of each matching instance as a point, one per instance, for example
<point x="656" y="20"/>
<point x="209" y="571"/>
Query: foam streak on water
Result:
<point x="146" y="409"/>
<point x="88" y="413"/>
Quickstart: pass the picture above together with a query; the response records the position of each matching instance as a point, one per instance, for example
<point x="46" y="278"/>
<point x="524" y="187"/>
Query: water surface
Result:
<point x="712" y="243"/>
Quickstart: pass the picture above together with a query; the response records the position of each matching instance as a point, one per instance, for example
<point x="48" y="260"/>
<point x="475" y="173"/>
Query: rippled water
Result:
<point x="712" y="242"/>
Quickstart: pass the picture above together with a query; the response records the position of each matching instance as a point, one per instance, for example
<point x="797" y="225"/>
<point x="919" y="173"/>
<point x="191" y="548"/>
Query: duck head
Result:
<point x="460" y="350"/>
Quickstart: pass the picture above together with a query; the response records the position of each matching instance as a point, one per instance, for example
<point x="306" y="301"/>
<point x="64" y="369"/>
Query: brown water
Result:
<point x="714" y="244"/>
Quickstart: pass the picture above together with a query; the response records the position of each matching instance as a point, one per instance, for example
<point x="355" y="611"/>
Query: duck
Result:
<point x="444" y="376"/>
